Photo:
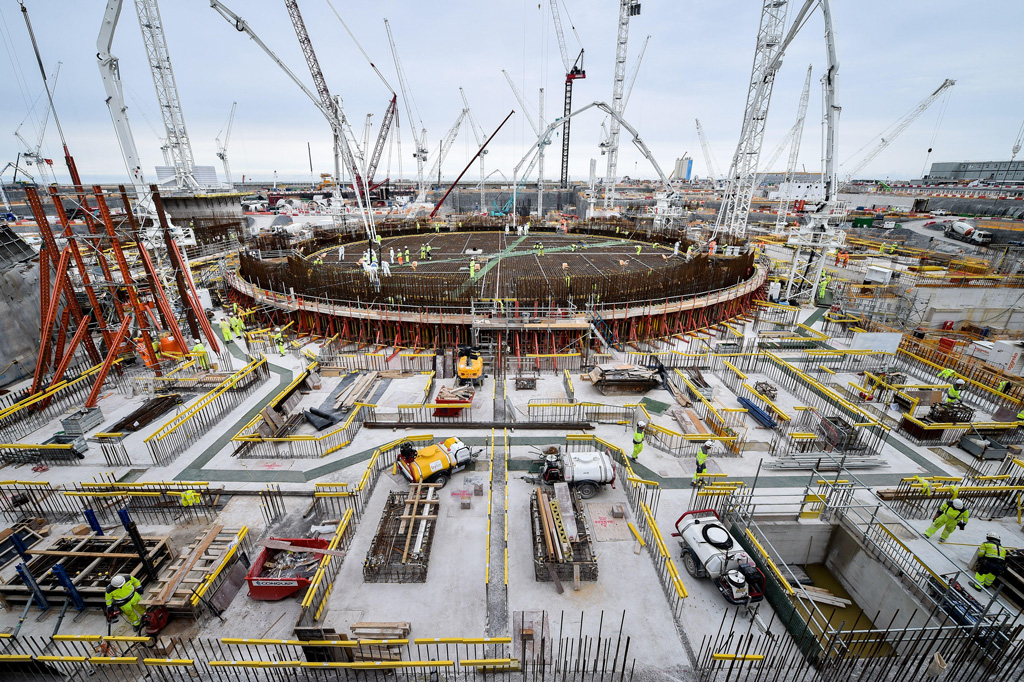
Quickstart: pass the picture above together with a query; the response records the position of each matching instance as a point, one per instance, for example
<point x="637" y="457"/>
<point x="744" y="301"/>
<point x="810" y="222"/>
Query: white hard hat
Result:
<point x="117" y="581"/>
<point x="708" y="443"/>
<point x="960" y="382"/>
<point x="641" y="425"/>
<point x="277" y="329"/>
<point x="958" y="504"/>
<point x="993" y="537"/>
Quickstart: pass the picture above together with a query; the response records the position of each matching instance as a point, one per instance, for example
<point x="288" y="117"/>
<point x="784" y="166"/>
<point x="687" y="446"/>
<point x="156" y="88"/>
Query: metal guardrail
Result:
<point x="251" y="445"/>
<point x="177" y="434"/>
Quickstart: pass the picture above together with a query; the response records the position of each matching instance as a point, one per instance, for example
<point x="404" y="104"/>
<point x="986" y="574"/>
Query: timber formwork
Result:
<point x="90" y="561"/>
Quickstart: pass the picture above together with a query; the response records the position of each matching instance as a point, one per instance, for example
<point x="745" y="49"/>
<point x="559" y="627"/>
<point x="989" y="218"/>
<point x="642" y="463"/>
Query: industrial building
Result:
<point x="524" y="430"/>
<point x="989" y="171"/>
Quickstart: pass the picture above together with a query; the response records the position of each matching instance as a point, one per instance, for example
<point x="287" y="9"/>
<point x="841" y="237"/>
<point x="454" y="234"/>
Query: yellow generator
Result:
<point x="434" y="463"/>
<point x="470" y="368"/>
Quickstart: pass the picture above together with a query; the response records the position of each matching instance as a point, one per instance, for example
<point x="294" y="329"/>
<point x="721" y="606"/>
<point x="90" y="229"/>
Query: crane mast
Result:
<point x="733" y="214"/>
<point x="446" y="146"/>
<point x="382" y="136"/>
<point x="1015" y="150"/>
<point x="627" y="9"/>
<point x="539" y="162"/>
<point x="478" y="133"/>
<point x="222" y="149"/>
<point x="573" y="71"/>
<point x="707" y="153"/>
<point x="167" y="94"/>
<point x="420" y="152"/>
<point x="786" y="201"/>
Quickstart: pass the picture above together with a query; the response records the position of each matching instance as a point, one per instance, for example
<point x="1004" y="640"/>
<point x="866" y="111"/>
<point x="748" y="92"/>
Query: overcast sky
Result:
<point x="697" y="65"/>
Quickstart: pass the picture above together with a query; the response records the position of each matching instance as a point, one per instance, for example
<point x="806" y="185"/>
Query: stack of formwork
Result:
<point x="562" y="548"/>
<point x="190" y="569"/>
<point x="81" y="421"/>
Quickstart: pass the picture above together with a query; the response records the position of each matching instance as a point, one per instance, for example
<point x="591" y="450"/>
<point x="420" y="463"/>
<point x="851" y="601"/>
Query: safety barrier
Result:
<point x="540" y="410"/>
<point x="314" y="602"/>
<point x="181" y="431"/>
<point x="417" y="362"/>
<point x="114" y="452"/>
<point x="376" y="362"/>
<point x="53" y="454"/>
<point x="723" y="428"/>
<point x="570" y="391"/>
<point x="436" y="413"/>
<point x="32" y="412"/>
<point x="37" y="499"/>
<point x="251" y="445"/>
<point x="994" y="496"/>
<point x="155" y="502"/>
<point x="552" y="362"/>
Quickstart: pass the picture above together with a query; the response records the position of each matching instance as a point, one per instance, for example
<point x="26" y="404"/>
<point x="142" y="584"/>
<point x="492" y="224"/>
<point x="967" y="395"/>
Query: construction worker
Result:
<point x="881" y="249"/>
<point x="1004" y="386"/>
<point x="823" y="287"/>
<point x="990" y="563"/>
<point x="689" y="252"/>
<point x="1020" y="415"/>
<point x="124" y="593"/>
<point x="234" y="308"/>
<point x="237" y="326"/>
<point x="472" y="269"/>
<point x="947" y="374"/>
<point x="318" y="261"/>
<point x="639" y="248"/>
<point x="675" y="249"/>
<point x="189" y="498"/>
<point x="952" y="513"/>
<point x="702" y="458"/>
<point x="408" y="258"/>
<point x="541" y="250"/>
<point x="423" y="252"/>
<point x="392" y="254"/>
<point x="638" y="439"/>
<point x="278" y="341"/>
<point x="429" y="257"/>
<point x="225" y="330"/>
<point x="199" y="350"/>
<point x="953" y="393"/>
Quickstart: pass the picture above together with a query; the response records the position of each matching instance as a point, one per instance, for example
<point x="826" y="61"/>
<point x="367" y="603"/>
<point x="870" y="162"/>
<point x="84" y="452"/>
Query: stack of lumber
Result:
<point x="173" y="588"/>
<point x="689" y="421"/>
<point x="379" y="631"/>
<point x="458" y="394"/>
<point x="358" y="391"/>
<point x="823" y="596"/>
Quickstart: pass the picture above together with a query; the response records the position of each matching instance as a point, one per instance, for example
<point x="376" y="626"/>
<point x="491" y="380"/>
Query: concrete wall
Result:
<point x="870" y="584"/>
<point x="799" y="542"/>
<point x="19" y="321"/>
<point x="996" y="307"/>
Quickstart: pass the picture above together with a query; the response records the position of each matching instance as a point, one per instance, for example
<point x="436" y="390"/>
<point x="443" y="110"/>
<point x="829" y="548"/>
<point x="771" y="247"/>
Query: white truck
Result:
<point x="965" y="232"/>
<point x="709" y="551"/>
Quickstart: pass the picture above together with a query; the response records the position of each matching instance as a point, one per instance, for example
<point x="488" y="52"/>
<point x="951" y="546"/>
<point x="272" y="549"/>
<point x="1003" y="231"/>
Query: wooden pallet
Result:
<point x="189" y="569"/>
<point x="379" y="631"/>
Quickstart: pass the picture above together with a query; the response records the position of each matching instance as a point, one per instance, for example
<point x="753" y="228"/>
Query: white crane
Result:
<point x="446" y="146"/>
<point x="537" y="127"/>
<point x="786" y="199"/>
<point x="891" y="133"/>
<point x="604" y="140"/>
<point x="111" y="75"/>
<point x="167" y="94"/>
<point x="573" y="71"/>
<point x="222" y="149"/>
<point x="1016" y="150"/>
<point x="732" y="216"/>
<point x="627" y="9"/>
<point x="712" y="173"/>
<point x="32" y="153"/>
<point x="481" y="137"/>
<point x="420" y="151"/>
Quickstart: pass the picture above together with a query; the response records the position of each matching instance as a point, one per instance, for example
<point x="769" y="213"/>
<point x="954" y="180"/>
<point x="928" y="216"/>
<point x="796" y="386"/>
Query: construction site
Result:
<point x="664" y="429"/>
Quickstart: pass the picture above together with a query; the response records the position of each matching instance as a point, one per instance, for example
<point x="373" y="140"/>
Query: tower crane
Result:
<point x="707" y="153"/>
<point x="573" y="71"/>
<point x="327" y="106"/>
<point x="536" y="130"/>
<point x="786" y="201"/>
<point x="627" y="9"/>
<point x="446" y="146"/>
<point x="222" y="149"/>
<point x="732" y="216"/>
<point x="167" y="93"/>
<point x="1016" y="150"/>
<point x="480" y="139"/>
<point x="32" y="154"/>
<point x="604" y="140"/>
<point x="886" y="138"/>
<point x="420" y="151"/>
<point x="378" y="148"/>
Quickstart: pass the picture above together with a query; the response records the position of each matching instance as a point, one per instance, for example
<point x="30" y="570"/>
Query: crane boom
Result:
<point x="627" y="9"/>
<point x="1015" y="150"/>
<point x="111" y="75"/>
<point x="222" y="149"/>
<point x="447" y="143"/>
<point x="633" y="74"/>
<point x="522" y="102"/>
<point x="180" y="146"/>
<point x="382" y="136"/>
<point x="561" y="37"/>
<point x="899" y="127"/>
<point x="481" y="144"/>
<point x="786" y="201"/>
<point x="420" y="151"/>
<point x="707" y="152"/>
<point x="573" y="71"/>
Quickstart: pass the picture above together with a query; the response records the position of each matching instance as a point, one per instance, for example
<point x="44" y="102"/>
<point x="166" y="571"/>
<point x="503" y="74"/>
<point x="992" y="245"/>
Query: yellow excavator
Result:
<point x="470" y="367"/>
